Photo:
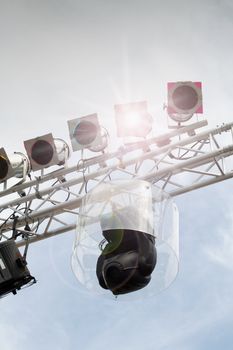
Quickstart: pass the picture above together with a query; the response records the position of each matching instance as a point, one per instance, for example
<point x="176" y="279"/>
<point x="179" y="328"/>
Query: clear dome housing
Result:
<point x="132" y="206"/>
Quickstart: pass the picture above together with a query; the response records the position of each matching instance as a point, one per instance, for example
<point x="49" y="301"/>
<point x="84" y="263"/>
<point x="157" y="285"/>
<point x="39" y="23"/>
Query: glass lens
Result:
<point x="185" y="97"/>
<point x="42" y="152"/>
<point x="85" y="133"/>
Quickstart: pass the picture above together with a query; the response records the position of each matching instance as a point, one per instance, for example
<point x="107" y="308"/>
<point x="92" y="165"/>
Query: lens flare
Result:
<point x="132" y="120"/>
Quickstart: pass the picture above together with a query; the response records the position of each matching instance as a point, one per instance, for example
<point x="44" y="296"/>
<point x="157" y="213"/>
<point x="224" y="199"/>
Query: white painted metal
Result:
<point x="178" y="162"/>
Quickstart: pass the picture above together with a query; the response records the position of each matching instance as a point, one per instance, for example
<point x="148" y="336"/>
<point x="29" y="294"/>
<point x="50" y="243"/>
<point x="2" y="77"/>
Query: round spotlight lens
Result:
<point x="3" y="167"/>
<point x="185" y="97"/>
<point x="42" y="152"/>
<point x="85" y="132"/>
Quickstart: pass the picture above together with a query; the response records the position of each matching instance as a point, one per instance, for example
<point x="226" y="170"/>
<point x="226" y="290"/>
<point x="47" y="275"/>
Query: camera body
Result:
<point x="127" y="260"/>
<point x="127" y="240"/>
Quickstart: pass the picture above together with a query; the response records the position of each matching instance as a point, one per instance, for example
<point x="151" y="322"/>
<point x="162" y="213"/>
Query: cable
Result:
<point x="13" y="216"/>
<point x="83" y="172"/>
<point x="60" y="180"/>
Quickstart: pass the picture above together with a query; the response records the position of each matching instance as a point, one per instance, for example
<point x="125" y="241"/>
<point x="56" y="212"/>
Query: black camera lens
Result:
<point x="114" y="275"/>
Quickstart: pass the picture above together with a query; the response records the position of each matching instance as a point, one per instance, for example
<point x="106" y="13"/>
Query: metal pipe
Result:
<point x="174" y="169"/>
<point x="105" y="157"/>
<point x="201" y="184"/>
<point x="107" y="169"/>
<point x="172" y="194"/>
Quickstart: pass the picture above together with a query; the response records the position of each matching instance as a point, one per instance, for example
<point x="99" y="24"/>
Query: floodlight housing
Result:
<point x="133" y="119"/>
<point x="103" y="141"/>
<point x="6" y="170"/>
<point x="15" y="165"/>
<point x="85" y="132"/>
<point x="184" y="99"/>
<point x="45" y="151"/>
<point x="14" y="273"/>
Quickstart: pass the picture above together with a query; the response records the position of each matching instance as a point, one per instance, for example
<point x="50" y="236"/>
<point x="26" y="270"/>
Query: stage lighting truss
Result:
<point x="133" y="120"/>
<point x="85" y="132"/>
<point x="184" y="99"/>
<point x="178" y="161"/>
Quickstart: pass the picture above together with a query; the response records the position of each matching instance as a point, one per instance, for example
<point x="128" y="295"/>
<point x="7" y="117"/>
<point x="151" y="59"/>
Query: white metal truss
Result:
<point x="179" y="161"/>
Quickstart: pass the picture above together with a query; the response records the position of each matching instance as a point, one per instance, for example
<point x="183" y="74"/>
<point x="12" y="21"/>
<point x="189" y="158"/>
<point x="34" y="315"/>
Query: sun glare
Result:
<point x="132" y="119"/>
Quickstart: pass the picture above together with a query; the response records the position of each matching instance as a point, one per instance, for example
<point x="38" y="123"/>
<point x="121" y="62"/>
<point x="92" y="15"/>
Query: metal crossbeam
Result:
<point x="178" y="162"/>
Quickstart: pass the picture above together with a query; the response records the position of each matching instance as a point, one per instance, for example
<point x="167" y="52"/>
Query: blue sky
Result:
<point x="62" y="59"/>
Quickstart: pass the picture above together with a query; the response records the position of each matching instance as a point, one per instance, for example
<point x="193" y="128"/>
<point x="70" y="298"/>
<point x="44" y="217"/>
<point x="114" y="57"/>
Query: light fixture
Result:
<point x="6" y="170"/>
<point x="133" y="119"/>
<point x="127" y="261"/>
<point x="45" y="151"/>
<point x="85" y="132"/>
<point x="14" y="273"/>
<point x="184" y="99"/>
<point x="103" y="141"/>
<point x="126" y="242"/>
<point x="16" y="165"/>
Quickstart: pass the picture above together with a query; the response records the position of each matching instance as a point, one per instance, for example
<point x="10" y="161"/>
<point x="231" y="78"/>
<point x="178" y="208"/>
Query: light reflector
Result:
<point x="184" y="98"/>
<point x="84" y="132"/>
<point x="41" y="152"/>
<point x="6" y="170"/>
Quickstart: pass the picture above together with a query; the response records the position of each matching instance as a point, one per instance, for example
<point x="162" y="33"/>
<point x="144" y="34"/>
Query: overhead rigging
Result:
<point x="47" y="202"/>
